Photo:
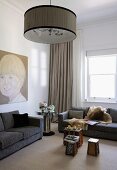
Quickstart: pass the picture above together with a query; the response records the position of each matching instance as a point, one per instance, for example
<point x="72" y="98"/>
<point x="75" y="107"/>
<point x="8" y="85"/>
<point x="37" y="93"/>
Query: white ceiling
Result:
<point x="86" y="10"/>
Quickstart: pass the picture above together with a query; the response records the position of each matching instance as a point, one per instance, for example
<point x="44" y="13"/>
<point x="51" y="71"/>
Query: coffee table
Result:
<point x="93" y="147"/>
<point x="71" y="144"/>
<point x="76" y="132"/>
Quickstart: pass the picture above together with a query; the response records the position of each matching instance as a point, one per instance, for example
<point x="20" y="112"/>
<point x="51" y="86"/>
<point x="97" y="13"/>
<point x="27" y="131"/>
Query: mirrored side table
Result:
<point x="47" y="123"/>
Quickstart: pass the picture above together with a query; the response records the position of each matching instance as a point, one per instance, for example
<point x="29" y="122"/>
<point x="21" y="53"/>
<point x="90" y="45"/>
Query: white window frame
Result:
<point x="88" y="98"/>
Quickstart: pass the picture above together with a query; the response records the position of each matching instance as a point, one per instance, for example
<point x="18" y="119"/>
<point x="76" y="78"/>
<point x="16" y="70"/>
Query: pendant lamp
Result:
<point x="49" y="24"/>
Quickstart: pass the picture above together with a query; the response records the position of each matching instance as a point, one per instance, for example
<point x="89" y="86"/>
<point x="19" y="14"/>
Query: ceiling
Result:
<point x="87" y="11"/>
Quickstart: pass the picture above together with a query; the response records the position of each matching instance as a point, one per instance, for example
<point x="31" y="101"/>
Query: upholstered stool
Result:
<point x="71" y="144"/>
<point x="93" y="147"/>
<point x="76" y="132"/>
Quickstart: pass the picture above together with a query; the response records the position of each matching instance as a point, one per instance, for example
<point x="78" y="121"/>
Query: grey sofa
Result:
<point x="13" y="139"/>
<point x="105" y="131"/>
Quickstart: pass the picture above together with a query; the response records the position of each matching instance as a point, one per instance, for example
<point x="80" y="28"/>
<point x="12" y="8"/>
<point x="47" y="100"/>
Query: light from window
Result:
<point x="102" y="86"/>
<point x="43" y="69"/>
<point x="101" y="77"/>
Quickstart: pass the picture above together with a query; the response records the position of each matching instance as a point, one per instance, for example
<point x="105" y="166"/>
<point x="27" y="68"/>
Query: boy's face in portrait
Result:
<point x="10" y="85"/>
<point x="12" y="79"/>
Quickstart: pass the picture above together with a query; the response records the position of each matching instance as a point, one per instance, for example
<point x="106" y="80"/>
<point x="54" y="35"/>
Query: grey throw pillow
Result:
<point x="75" y="114"/>
<point x="7" y="118"/>
<point x="113" y="114"/>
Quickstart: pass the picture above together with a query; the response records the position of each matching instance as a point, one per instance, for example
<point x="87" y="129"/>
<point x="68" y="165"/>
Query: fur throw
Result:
<point x="94" y="113"/>
<point x="99" y="113"/>
<point x="78" y="123"/>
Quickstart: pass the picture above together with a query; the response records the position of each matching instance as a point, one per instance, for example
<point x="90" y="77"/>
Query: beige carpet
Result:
<point x="49" y="154"/>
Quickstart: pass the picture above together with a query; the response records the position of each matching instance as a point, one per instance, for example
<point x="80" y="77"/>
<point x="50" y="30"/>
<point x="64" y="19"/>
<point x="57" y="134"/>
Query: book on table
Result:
<point x="71" y="137"/>
<point x="92" y="122"/>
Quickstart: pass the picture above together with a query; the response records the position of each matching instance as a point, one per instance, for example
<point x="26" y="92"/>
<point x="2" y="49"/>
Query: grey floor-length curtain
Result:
<point x="61" y="76"/>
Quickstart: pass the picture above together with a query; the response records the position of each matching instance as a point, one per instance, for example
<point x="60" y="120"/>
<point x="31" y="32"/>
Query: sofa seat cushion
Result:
<point x="9" y="138"/>
<point x="27" y="131"/>
<point x="111" y="127"/>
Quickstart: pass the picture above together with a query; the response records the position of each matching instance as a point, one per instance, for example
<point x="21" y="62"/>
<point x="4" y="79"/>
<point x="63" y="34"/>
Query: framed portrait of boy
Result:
<point x="13" y="78"/>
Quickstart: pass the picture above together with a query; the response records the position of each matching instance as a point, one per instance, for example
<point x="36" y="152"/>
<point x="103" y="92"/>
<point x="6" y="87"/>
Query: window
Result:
<point x="101" y="78"/>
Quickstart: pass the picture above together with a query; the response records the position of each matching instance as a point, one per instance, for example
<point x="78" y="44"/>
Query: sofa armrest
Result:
<point x="62" y="116"/>
<point x="36" y="121"/>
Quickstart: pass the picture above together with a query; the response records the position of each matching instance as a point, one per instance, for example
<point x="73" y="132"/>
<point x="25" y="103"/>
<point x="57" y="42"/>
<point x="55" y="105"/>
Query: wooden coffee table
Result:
<point x="71" y="144"/>
<point x="76" y="132"/>
<point x="93" y="147"/>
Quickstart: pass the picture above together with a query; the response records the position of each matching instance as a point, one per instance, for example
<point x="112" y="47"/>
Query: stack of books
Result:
<point x="71" y="138"/>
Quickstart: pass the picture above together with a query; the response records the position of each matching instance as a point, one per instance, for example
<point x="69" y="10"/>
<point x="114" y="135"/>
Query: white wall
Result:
<point x="99" y="36"/>
<point x="12" y="40"/>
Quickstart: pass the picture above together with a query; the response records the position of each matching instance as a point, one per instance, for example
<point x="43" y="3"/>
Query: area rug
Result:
<point x="49" y="154"/>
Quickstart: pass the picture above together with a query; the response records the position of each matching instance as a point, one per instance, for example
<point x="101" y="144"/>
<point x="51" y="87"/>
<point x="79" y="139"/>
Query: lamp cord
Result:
<point x="50" y="2"/>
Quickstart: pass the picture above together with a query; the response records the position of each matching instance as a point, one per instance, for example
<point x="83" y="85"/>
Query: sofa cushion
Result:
<point x="75" y="114"/>
<point x="9" y="138"/>
<point x="113" y="113"/>
<point x="1" y="124"/>
<point x="110" y="128"/>
<point x="27" y="131"/>
<point x="20" y="120"/>
<point x="8" y="120"/>
<point x="84" y="109"/>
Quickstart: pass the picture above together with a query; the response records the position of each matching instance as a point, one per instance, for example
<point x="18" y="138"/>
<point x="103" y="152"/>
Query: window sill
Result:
<point x="108" y="102"/>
